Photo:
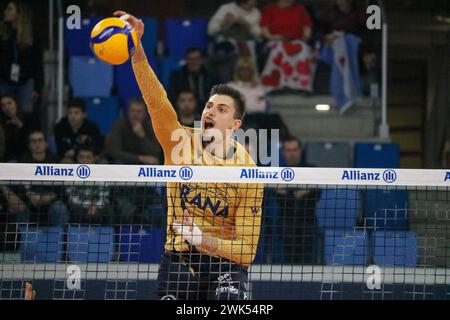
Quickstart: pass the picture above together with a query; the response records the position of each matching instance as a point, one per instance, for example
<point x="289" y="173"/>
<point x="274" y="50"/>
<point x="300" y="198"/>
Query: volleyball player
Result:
<point x="212" y="228"/>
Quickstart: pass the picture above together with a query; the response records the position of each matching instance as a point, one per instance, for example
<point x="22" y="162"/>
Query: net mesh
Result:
<point x="102" y="233"/>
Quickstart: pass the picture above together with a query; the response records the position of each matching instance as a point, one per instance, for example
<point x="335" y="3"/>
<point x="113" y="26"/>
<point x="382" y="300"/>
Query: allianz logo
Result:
<point x="388" y="176"/>
<point x="151" y="172"/>
<point x="447" y="176"/>
<point x="82" y="171"/>
<point x="287" y="174"/>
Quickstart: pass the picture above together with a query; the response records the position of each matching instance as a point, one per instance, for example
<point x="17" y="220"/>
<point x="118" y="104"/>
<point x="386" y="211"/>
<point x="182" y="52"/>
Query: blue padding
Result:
<point x="182" y="34"/>
<point x="385" y="209"/>
<point x="394" y="248"/>
<point x="41" y="244"/>
<point x="90" y="77"/>
<point x="345" y="247"/>
<point x="328" y="154"/>
<point x="90" y="244"/>
<point x="76" y="41"/>
<point x="150" y="37"/>
<point x="141" y="244"/>
<point x="103" y="112"/>
<point x="377" y="155"/>
<point x="338" y="208"/>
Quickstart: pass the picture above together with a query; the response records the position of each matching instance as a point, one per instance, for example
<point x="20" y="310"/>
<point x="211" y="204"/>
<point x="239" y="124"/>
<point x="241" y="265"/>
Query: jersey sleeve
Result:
<point x="163" y="116"/>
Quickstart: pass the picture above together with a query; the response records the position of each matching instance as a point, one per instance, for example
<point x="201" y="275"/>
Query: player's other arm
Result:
<point x="163" y="116"/>
<point x="242" y="248"/>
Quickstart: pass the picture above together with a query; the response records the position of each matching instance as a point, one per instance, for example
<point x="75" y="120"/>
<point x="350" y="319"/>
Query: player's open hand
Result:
<point x="187" y="229"/>
<point x="30" y="294"/>
<point x="135" y="23"/>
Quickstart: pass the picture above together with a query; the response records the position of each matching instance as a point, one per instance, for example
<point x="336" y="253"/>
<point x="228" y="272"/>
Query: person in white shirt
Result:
<point x="235" y="31"/>
<point x="238" y="20"/>
<point x="246" y="81"/>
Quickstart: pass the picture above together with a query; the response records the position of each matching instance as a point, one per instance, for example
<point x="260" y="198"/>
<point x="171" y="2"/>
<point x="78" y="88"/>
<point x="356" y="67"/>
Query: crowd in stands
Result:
<point x="242" y="52"/>
<point x="240" y="37"/>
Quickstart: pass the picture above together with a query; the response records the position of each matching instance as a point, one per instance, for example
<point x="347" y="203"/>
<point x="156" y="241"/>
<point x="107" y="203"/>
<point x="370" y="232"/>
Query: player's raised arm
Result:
<point x="163" y="116"/>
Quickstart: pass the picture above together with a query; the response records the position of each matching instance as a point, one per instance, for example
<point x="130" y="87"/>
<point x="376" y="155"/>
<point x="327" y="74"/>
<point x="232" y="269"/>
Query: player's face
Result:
<point x="218" y="117"/>
<point x="292" y="153"/>
<point x="76" y="117"/>
<point x="136" y="112"/>
<point x="186" y="103"/>
<point x="9" y="107"/>
<point x="10" y="12"/>
<point x="86" y="157"/>
<point x="37" y="143"/>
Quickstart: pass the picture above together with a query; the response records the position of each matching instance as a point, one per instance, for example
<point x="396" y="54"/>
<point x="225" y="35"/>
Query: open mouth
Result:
<point x="209" y="124"/>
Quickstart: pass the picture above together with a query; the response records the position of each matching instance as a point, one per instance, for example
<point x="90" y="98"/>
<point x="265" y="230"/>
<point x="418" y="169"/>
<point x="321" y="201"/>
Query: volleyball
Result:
<point x="113" y="40"/>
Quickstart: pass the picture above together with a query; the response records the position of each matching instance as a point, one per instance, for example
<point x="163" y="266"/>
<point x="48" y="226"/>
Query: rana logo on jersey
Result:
<point x="203" y="202"/>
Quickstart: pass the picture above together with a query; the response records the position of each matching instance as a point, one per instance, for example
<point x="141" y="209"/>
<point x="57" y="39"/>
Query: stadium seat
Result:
<point x="182" y="34"/>
<point x="377" y="155"/>
<point x="90" y="244"/>
<point x="338" y="208"/>
<point x="125" y="81"/>
<point x="166" y="67"/>
<point x="141" y="244"/>
<point x="394" y="248"/>
<point x="150" y="38"/>
<point x="328" y="154"/>
<point x="103" y="112"/>
<point x="77" y="40"/>
<point x="385" y="209"/>
<point x="345" y="247"/>
<point x="41" y="244"/>
<point x="90" y="77"/>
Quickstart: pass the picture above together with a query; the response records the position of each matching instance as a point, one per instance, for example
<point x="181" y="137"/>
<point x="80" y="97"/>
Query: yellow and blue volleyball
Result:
<point x="113" y="40"/>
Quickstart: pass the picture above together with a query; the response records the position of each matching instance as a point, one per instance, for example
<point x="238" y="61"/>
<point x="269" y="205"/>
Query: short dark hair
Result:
<point x="292" y="138"/>
<point x="136" y="100"/>
<point x="186" y="91"/>
<point x="33" y="131"/>
<point x="192" y="50"/>
<point x="85" y="147"/>
<point x="77" y="103"/>
<point x="239" y="99"/>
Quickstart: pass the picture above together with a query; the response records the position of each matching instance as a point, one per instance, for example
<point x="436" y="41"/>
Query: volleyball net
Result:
<point x="98" y="231"/>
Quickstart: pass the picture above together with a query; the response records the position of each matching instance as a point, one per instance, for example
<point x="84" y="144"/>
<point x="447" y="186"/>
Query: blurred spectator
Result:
<point x="237" y="20"/>
<point x="10" y="206"/>
<point x="348" y="17"/>
<point x="291" y="61"/>
<point x="187" y="108"/>
<point x="21" y="64"/>
<point x="75" y="130"/>
<point x="38" y="149"/>
<point x="298" y="206"/>
<point x="234" y="28"/>
<point x="2" y="143"/>
<point x="132" y="140"/>
<point x="193" y="76"/>
<point x="343" y="16"/>
<point x="286" y="20"/>
<point x="88" y="203"/>
<point x="16" y="126"/>
<point x="247" y="82"/>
